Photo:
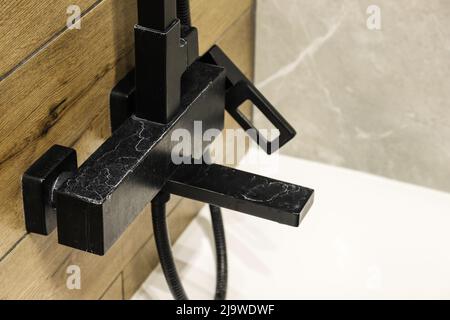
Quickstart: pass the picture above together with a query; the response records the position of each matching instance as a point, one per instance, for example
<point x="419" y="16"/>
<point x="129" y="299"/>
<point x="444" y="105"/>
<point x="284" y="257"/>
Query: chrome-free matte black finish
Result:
<point x="161" y="60"/>
<point x="241" y="191"/>
<point x="122" y="101"/>
<point x="170" y="89"/>
<point x="113" y="186"/>
<point x="123" y="97"/>
<point x="156" y="14"/>
<point x="241" y="89"/>
<point x="163" y="50"/>
<point x="38" y="184"/>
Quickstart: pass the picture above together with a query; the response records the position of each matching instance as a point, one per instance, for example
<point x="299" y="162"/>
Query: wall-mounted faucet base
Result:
<point x="171" y="89"/>
<point x="115" y="184"/>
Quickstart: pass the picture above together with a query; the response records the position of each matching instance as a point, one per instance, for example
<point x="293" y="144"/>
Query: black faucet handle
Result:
<point x="240" y="89"/>
<point x="39" y="183"/>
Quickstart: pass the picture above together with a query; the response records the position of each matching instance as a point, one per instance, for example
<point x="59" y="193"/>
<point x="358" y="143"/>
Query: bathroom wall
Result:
<point x="55" y="84"/>
<point x="362" y="98"/>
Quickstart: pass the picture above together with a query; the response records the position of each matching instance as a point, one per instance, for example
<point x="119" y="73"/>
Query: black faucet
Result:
<point x="171" y="88"/>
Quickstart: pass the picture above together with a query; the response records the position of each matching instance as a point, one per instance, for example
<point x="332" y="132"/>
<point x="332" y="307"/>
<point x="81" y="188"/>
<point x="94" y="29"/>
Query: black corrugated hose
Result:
<point x="163" y="246"/>
<point x="160" y="224"/>
<point x="221" y="253"/>
<point x="184" y="12"/>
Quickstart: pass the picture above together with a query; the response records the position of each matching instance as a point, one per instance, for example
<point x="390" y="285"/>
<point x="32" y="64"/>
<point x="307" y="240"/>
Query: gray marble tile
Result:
<point x="371" y="100"/>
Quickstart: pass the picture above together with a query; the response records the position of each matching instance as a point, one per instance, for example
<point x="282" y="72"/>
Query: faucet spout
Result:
<point x="241" y="191"/>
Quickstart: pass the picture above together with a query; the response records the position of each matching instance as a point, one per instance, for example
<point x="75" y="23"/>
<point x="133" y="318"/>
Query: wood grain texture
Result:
<point x="61" y="95"/>
<point x="26" y="25"/>
<point x="237" y="42"/>
<point x="115" y="290"/>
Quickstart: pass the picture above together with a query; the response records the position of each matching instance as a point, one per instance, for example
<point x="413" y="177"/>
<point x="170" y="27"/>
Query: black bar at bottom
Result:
<point x="241" y="191"/>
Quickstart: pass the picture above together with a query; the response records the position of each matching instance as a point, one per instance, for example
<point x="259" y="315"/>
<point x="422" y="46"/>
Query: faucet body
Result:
<point x="114" y="185"/>
<point x="171" y="88"/>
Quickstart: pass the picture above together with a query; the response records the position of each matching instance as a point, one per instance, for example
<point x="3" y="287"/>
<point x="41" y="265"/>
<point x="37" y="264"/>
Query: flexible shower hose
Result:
<point x="161" y="233"/>
<point x="184" y="12"/>
<point x="163" y="246"/>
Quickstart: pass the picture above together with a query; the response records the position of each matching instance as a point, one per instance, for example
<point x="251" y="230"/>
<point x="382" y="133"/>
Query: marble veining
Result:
<point x="309" y="51"/>
<point x="111" y="163"/>
<point x="131" y="144"/>
<point x="250" y="188"/>
<point x="370" y="100"/>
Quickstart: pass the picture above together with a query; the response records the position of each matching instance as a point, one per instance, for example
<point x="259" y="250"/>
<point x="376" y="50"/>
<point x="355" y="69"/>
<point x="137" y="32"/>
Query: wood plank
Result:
<point x="210" y="17"/>
<point x="43" y="266"/>
<point x="60" y="109"/>
<point x="80" y="67"/>
<point x="26" y="25"/>
<point x="237" y="42"/>
<point x="70" y="107"/>
<point x="115" y="290"/>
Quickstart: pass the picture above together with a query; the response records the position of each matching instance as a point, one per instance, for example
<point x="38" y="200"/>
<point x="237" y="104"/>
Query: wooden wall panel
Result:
<point x="60" y="95"/>
<point x="27" y="25"/>
<point x="54" y="98"/>
<point x="115" y="290"/>
<point x="80" y="67"/>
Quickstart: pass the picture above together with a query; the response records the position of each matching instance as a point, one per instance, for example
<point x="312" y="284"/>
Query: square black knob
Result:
<point x="38" y="183"/>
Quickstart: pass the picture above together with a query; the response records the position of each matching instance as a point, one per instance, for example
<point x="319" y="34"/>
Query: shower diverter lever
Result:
<point x="240" y="89"/>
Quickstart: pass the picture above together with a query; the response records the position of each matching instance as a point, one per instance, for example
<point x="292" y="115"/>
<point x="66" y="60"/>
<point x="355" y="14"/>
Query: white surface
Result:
<point x="365" y="237"/>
